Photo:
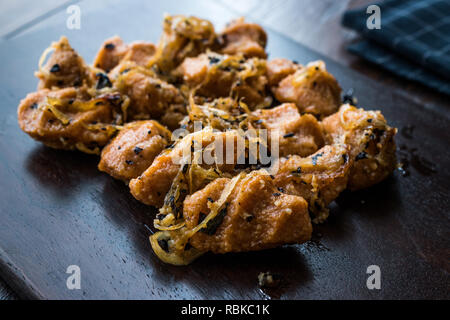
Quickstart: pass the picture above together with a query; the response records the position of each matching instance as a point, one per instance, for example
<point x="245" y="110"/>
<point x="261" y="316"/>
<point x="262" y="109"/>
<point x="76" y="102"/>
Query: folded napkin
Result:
<point x="413" y="42"/>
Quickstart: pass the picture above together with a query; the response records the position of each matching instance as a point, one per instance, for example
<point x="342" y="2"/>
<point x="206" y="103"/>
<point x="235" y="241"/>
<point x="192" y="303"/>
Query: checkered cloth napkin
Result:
<point x="413" y="42"/>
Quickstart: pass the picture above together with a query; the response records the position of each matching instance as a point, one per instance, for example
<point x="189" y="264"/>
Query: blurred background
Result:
<point x="317" y="24"/>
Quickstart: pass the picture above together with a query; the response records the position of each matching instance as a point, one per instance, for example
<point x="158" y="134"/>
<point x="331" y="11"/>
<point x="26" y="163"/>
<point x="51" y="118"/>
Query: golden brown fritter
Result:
<point x="300" y="135"/>
<point x="214" y="75"/>
<point x="182" y="37"/>
<point x="221" y="114"/>
<point x="173" y="116"/>
<point x="319" y="178"/>
<point x="70" y="118"/>
<point x="255" y="216"/>
<point x="371" y="141"/>
<point x="152" y="186"/>
<point x="111" y="52"/>
<point x="312" y="89"/>
<point x="114" y="51"/>
<point x="150" y="97"/>
<point x="65" y="68"/>
<point x="129" y="154"/>
<point x="241" y="37"/>
<point x="278" y="69"/>
<point x="140" y="52"/>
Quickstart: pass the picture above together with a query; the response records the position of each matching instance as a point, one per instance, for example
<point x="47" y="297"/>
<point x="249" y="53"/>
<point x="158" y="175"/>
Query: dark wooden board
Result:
<point x="57" y="210"/>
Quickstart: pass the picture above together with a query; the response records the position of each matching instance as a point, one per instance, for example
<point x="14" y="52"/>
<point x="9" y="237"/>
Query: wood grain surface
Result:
<point x="58" y="210"/>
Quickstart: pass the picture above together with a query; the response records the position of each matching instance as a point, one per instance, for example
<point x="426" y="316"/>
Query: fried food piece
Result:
<point x="173" y="116"/>
<point x="182" y="37"/>
<point x="65" y="68"/>
<point x="214" y="75"/>
<point x="312" y="89"/>
<point x="153" y="185"/>
<point x="221" y="114"/>
<point x="111" y="52"/>
<point x="151" y="98"/>
<point x="255" y="216"/>
<point x="114" y="50"/>
<point x="278" y="69"/>
<point x="133" y="150"/>
<point x="241" y="37"/>
<point x="371" y="141"/>
<point x="70" y="118"/>
<point x="293" y="133"/>
<point x="319" y="178"/>
<point x="140" y="52"/>
<point x="299" y="135"/>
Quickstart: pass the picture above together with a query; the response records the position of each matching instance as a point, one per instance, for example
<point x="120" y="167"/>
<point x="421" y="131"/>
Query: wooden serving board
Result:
<point x="57" y="209"/>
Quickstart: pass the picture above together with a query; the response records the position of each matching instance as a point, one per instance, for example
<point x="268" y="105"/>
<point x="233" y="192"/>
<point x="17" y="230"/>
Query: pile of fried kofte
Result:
<point x="128" y="104"/>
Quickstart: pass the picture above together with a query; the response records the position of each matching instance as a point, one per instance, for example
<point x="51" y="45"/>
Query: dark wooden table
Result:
<point x="315" y="24"/>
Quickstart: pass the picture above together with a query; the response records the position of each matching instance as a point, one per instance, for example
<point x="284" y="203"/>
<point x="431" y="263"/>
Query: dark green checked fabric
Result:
<point x="413" y="42"/>
<point x="400" y="66"/>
